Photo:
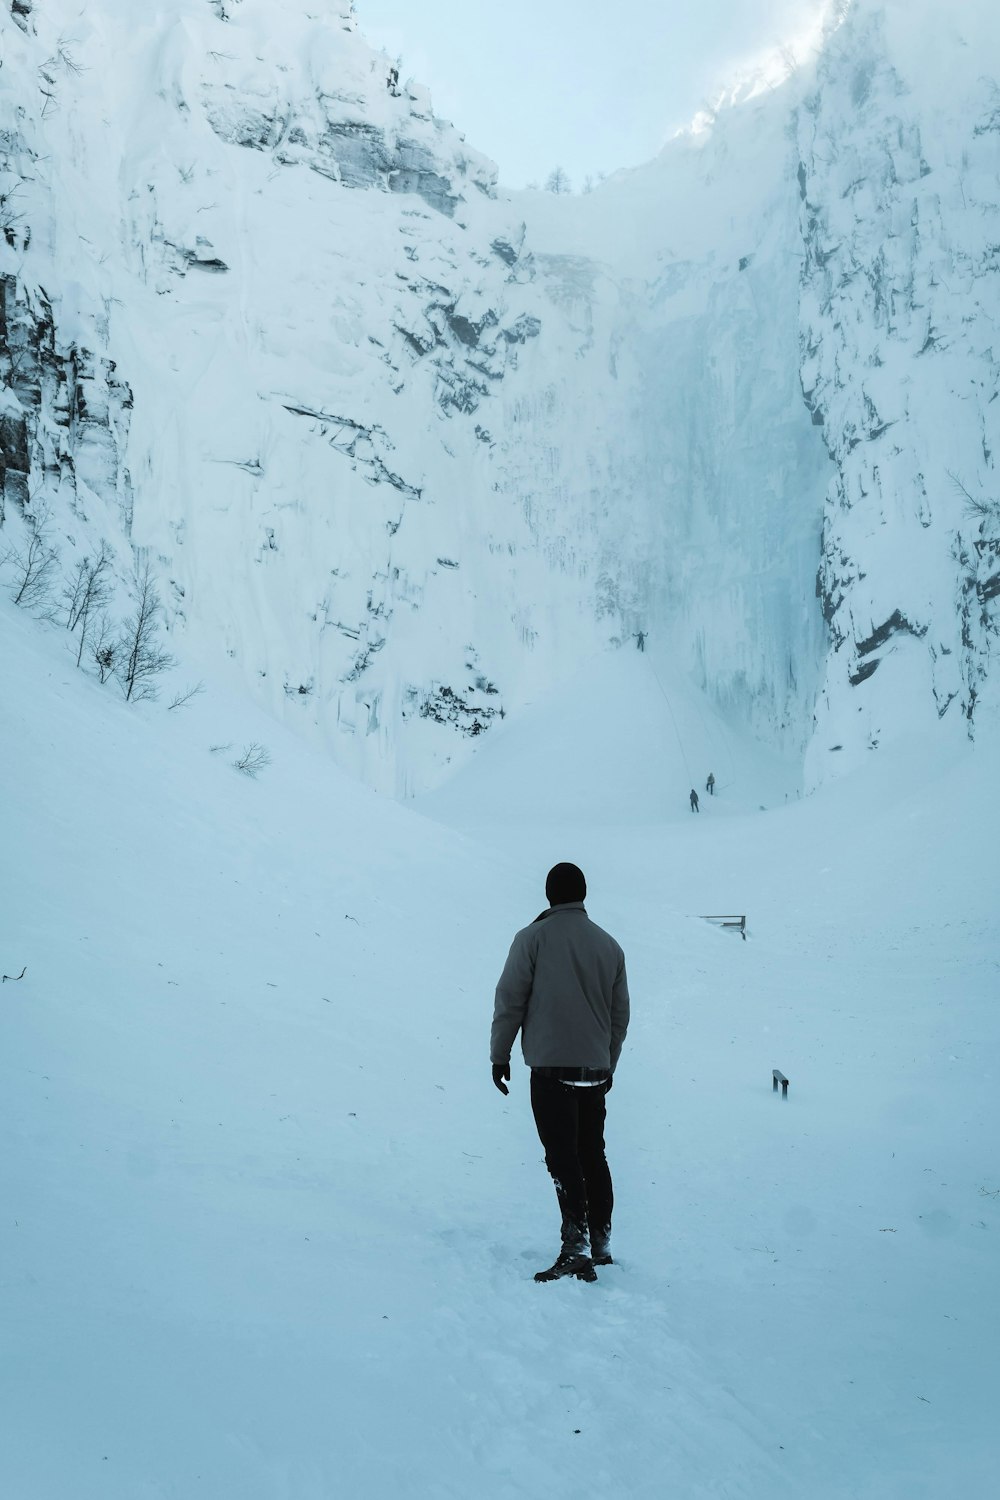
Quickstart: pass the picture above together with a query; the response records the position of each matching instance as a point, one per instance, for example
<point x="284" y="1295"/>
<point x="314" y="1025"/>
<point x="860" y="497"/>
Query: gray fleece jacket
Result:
<point x="564" y="988"/>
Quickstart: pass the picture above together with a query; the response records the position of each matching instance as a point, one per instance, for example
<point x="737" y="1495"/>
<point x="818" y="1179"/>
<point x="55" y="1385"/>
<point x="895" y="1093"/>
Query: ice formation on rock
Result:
<point x="409" y="449"/>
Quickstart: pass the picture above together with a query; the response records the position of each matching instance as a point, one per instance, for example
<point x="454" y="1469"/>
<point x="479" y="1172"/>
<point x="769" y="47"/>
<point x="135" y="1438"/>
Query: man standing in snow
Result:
<point x="564" y="988"/>
<point x="693" y="799"/>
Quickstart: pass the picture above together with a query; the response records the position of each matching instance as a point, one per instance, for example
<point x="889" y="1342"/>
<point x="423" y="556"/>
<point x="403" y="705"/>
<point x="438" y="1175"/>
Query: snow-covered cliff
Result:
<point x="900" y="318"/>
<point x="409" y="449"/>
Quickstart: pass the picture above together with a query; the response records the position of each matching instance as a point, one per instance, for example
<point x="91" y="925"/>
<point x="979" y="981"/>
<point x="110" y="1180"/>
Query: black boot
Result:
<point x="569" y="1263"/>
<point x="574" y="1257"/>
<point x="600" y="1247"/>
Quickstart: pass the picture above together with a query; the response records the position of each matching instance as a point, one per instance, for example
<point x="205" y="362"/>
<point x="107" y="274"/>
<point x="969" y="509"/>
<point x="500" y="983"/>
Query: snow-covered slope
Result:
<point x="267" y="1231"/>
<point x="410" y="450"/>
<point x="405" y="452"/>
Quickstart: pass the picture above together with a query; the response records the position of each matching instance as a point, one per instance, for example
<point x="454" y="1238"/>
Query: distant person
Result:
<point x="564" y="988"/>
<point x="710" y="784"/>
<point x="694" y="801"/>
<point x="640" y="640"/>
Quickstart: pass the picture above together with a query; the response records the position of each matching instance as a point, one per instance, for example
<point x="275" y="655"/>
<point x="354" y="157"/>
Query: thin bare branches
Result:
<point x="87" y="591"/>
<point x="104" y="648"/>
<point x="180" y="699"/>
<point x="253" y="760"/>
<point x="32" y="568"/>
<point x="142" y="657"/>
<point x="977" y="505"/>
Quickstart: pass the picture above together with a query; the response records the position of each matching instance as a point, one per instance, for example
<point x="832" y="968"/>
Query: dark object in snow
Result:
<point x="737" y="922"/>
<point x="694" y="801"/>
<point x="564" y="988"/>
<point x="710" y="784"/>
<point x="640" y="639"/>
<point x="505" y="250"/>
<point x="15" y="977"/>
<point x="777" y="1078"/>
<point x="445" y="706"/>
<point x="580" y="1266"/>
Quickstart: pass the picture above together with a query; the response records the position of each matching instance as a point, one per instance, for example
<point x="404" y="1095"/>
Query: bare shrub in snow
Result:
<point x="180" y="699"/>
<point x="85" y="593"/>
<point x="61" y="61"/>
<point x="978" y="507"/>
<point x="104" y="648"/>
<point x="10" y="218"/>
<point x="140" y="656"/>
<point x="33" y="569"/>
<point x="253" y="760"/>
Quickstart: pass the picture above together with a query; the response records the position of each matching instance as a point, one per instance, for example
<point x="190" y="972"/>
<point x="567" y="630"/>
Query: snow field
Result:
<point x="269" y="1230"/>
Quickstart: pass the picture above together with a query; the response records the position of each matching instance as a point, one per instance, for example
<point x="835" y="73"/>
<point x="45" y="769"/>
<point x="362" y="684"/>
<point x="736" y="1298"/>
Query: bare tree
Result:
<point x="558" y="181"/>
<point x="32" y="568"/>
<point x="141" y="658"/>
<point x="104" y="648"/>
<point x="253" y="760"/>
<point x="87" y="590"/>
<point x="73" y="592"/>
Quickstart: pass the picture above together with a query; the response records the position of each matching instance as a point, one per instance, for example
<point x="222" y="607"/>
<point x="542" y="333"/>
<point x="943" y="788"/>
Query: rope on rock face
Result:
<point x="710" y="735"/>
<point x="673" y="720"/>
<point x="709" y="732"/>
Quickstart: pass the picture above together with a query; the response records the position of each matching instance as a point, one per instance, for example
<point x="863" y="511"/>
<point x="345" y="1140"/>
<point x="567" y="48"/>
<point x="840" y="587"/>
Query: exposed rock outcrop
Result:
<point x="899" y="211"/>
<point x="65" y="413"/>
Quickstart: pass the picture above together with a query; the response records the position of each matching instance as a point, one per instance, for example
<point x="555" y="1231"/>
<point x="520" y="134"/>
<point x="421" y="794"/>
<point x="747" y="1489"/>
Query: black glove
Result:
<point x="500" y="1072"/>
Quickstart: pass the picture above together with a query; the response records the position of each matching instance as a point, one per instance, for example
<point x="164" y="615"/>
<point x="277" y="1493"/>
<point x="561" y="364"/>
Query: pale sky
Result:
<point x="586" y="85"/>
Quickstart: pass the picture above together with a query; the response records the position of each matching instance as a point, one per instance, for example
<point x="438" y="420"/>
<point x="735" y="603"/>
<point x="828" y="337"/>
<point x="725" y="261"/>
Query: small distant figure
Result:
<point x="392" y="83"/>
<point x="694" y="801"/>
<point x="710" y="784"/>
<point x="640" y="640"/>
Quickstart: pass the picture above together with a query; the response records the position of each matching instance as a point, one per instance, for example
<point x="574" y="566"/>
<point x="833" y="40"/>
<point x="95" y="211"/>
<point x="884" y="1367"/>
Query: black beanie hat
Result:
<point x="565" y="883"/>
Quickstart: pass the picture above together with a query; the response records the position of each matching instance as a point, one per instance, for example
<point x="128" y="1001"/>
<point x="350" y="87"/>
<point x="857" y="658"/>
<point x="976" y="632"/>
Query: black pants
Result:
<point x="570" y="1124"/>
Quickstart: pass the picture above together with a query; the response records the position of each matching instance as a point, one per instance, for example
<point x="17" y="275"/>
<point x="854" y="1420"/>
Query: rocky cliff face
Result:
<point x="900" y="210"/>
<point x="335" y="107"/>
<point x="408" y="449"/>
<point x="64" y="418"/>
<point x="64" y="409"/>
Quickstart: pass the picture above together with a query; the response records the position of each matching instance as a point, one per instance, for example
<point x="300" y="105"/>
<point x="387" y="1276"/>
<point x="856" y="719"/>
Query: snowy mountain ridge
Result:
<point x="410" y="449"/>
